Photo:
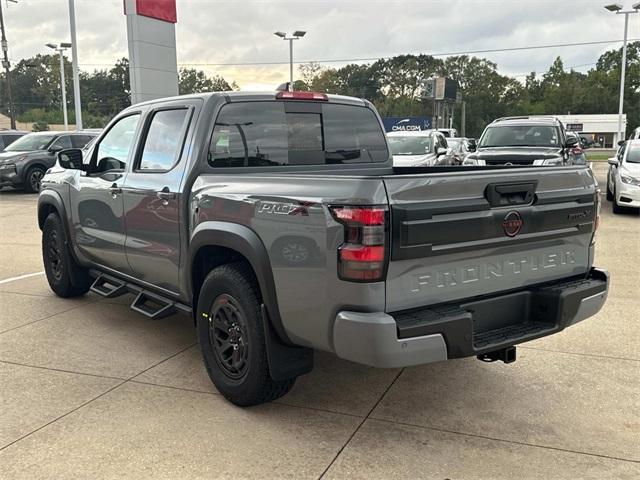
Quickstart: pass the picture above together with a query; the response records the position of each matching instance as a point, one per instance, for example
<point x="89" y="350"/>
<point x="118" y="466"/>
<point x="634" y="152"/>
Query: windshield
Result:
<point x="520" y="136"/>
<point x="29" y="143"/>
<point x="410" y="145"/>
<point x="634" y="154"/>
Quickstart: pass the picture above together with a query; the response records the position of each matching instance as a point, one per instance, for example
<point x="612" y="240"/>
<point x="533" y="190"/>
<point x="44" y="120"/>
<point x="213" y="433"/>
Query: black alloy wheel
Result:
<point x="228" y="336"/>
<point x="54" y="255"/>
<point x="34" y="179"/>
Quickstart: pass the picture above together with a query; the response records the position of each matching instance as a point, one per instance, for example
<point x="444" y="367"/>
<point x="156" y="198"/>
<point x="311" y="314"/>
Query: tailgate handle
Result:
<point x="505" y="194"/>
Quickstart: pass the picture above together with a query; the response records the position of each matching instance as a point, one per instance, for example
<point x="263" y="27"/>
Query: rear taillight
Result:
<point x="363" y="255"/>
<point x="302" y="96"/>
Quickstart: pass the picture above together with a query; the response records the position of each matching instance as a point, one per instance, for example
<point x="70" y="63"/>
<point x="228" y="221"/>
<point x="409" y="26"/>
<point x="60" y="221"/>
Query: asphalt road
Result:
<point x="90" y="389"/>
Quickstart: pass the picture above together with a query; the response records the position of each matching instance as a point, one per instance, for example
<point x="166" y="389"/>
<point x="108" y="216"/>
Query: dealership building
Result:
<point x="601" y="128"/>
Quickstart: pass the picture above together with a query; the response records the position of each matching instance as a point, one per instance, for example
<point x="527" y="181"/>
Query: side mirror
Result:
<point x="613" y="161"/>
<point x="70" y="158"/>
<point x="55" y="148"/>
<point x="621" y="142"/>
<point x="571" y="142"/>
<point x="440" y="151"/>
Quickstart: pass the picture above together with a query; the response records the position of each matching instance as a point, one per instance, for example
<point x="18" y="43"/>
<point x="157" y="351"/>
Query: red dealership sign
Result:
<point x="159" y="9"/>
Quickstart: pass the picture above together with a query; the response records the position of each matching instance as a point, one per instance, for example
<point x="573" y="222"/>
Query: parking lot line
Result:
<point x="20" y="277"/>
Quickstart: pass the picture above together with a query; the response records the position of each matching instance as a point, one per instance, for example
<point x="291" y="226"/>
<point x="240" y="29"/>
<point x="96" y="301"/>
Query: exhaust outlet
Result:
<point x="506" y="355"/>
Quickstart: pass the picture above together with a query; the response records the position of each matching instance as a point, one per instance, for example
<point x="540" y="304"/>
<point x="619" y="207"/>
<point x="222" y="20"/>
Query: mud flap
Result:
<point x="285" y="362"/>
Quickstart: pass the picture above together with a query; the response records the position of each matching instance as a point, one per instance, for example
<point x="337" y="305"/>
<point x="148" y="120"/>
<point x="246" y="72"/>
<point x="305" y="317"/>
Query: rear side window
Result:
<point x="257" y="134"/>
<point x="164" y="140"/>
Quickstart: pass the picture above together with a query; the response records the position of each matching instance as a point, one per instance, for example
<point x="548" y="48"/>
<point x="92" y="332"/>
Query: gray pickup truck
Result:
<point x="278" y="221"/>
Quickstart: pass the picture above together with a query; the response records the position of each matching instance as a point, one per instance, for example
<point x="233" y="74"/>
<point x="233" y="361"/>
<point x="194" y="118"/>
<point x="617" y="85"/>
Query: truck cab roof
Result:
<point x="243" y="96"/>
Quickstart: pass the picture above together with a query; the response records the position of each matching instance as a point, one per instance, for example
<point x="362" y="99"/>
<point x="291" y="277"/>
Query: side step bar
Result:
<point x="147" y="303"/>
<point x="153" y="306"/>
<point x="108" y="287"/>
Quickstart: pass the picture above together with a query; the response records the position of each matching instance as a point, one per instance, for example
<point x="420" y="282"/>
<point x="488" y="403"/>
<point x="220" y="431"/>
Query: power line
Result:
<point x="438" y="54"/>
<point x="570" y="67"/>
<point x="371" y="59"/>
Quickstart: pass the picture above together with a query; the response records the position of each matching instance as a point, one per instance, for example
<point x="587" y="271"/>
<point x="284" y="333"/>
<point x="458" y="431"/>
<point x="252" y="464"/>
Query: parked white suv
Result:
<point x="623" y="180"/>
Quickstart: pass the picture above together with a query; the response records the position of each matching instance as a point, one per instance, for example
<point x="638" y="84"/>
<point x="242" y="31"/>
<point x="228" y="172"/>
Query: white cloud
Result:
<point x="211" y="31"/>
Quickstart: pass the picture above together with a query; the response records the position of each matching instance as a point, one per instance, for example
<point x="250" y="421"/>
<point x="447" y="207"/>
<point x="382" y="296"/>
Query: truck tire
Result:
<point x="66" y="278"/>
<point x="33" y="178"/>
<point x="231" y="337"/>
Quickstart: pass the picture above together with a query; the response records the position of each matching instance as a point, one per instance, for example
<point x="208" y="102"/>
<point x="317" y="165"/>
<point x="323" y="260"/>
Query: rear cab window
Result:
<point x="278" y="133"/>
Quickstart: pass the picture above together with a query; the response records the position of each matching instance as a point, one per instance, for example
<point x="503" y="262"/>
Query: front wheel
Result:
<point x="66" y="278"/>
<point x="616" y="208"/>
<point x="231" y="335"/>
<point x="33" y="179"/>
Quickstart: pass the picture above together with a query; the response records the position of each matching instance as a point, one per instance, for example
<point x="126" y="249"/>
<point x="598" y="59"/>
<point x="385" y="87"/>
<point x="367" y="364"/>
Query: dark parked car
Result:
<point x="24" y="162"/>
<point x="7" y="137"/>
<point x="523" y="141"/>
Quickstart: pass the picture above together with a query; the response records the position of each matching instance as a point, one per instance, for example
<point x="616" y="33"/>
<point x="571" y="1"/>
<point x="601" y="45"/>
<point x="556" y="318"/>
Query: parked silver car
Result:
<point x="420" y="148"/>
<point x="459" y="147"/>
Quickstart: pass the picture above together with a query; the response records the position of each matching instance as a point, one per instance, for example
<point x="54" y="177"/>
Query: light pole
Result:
<point x="63" y="86"/>
<point x="7" y="68"/>
<point x="298" y="34"/>
<point x="74" y="65"/>
<point x="619" y="10"/>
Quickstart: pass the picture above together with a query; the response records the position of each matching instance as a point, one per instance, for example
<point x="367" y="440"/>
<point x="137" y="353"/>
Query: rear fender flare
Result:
<point x="247" y="243"/>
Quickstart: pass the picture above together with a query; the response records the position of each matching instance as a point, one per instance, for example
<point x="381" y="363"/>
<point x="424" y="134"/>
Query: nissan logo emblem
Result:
<point x="512" y="224"/>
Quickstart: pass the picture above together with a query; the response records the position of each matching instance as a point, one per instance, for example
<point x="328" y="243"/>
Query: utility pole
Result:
<point x="74" y="65"/>
<point x="463" y="119"/>
<point x="7" y="69"/>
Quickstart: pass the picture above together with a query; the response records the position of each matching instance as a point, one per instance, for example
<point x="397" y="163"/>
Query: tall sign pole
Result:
<point x="151" y="37"/>
<point x="74" y="65"/>
<point x="7" y="69"/>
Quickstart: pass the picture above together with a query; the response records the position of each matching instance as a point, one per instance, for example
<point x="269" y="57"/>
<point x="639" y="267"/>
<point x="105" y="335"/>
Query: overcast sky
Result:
<point x="232" y="32"/>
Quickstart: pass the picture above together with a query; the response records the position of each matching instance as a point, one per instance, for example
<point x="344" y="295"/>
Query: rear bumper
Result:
<point x="425" y="335"/>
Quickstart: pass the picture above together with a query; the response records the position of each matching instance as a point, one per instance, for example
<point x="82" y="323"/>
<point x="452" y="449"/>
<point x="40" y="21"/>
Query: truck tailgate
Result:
<point x="458" y="235"/>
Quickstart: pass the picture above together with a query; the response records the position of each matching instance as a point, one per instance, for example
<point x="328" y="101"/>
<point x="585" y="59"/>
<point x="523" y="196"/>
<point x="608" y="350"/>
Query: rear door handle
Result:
<point x="115" y="189"/>
<point x="166" y="194"/>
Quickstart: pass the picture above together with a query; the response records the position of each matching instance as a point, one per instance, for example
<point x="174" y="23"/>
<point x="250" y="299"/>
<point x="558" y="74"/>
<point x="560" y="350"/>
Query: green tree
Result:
<point x="191" y="80"/>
